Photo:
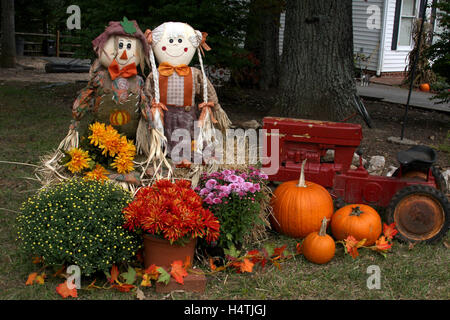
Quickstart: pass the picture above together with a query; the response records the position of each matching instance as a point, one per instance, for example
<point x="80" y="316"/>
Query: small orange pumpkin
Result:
<point x="300" y="206"/>
<point x="319" y="247"/>
<point x="119" y="118"/>
<point x="358" y="220"/>
<point x="424" y="87"/>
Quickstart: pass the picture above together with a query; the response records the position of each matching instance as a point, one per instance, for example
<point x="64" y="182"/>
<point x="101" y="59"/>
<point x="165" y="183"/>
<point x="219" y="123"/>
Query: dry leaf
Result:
<point x="447" y="245"/>
<point x="140" y="294"/>
<point x="64" y="291"/>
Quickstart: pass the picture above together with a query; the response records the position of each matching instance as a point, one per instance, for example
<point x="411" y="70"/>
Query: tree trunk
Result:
<point x="262" y="38"/>
<point x="8" y="56"/>
<point x="316" y="74"/>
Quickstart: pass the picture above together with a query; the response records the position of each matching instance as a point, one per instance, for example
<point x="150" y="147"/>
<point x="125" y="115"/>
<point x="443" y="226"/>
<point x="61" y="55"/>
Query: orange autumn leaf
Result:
<point x="187" y="263"/>
<point x="178" y="272"/>
<point x="60" y="272"/>
<point x="152" y="272"/>
<point x="389" y="230"/>
<point x="123" y="287"/>
<point x="298" y="248"/>
<point x="247" y="266"/>
<point x="63" y="290"/>
<point x="114" y="274"/>
<point x="211" y="264"/>
<point x="351" y="244"/>
<point x="31" y="278"/>
<point x="382" y="245"/>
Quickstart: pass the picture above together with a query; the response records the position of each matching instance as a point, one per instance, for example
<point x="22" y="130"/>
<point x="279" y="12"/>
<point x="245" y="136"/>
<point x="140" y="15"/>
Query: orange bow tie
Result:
<point x="126" y="72"/>
<point x="166" y="69"/>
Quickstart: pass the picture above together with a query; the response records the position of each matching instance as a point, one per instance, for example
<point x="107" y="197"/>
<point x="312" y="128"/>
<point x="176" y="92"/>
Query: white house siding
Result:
<point x="396" y="60"/>
<point x="366" y="35"/>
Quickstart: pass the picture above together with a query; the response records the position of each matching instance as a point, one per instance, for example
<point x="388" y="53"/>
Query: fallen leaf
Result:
<point x="411" y="245"/>
<point x="123" y="287"/>
<point x="164" y="276"/>
<point x="382" y="244"/>
<point x="60" y="272"/>
<point x="152" y="272"/>
<point x="447" y="245"/>
<point x="146" y="281"/>
<point x="140" y="294"/>
<point x="92" y="285"/>
<point x="31" y="278"/>
<point x="187" y="262"/>
<point x="114" y="274"/>
<point x="129" y="276"/>
<point x="389" y="230"/>
<point x="279" y="251"/>
<point x="211" y="264"/>
<point x="40" y="279"/>
<point x="247" y="266"/>
<point x="178" y="272"/>
<point x="65" y="292"/>
<point x="298" y="248"/>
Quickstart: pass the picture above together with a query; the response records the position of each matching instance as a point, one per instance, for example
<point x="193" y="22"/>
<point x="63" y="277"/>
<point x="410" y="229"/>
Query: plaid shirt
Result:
<point x="175" y="90"/>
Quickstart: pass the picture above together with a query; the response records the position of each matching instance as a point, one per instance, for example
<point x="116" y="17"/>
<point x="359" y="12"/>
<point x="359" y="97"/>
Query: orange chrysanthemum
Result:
<point x="79" y="160"/>
<point x="99" y="173"/>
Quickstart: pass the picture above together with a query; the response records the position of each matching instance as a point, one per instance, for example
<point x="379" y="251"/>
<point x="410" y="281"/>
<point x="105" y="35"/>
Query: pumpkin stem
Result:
<point x="301" y="181"/>
<point x="356" y="211"/>
<point x="323" y="227"/>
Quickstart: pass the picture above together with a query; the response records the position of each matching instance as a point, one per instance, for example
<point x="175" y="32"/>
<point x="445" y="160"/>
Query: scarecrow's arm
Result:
<point x="219" y="114"/>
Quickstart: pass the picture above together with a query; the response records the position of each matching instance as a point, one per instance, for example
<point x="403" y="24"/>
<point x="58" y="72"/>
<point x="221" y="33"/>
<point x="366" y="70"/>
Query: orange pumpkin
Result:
<point x="319" y="247"/>
<point x="358" y="220"/>
<point x="424" y="87"/>
<point x="119" y="118"/>
<point x="300" y="206"/>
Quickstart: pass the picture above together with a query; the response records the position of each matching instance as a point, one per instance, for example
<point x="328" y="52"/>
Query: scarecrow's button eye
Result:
<point x="171" y="40"/>
<point x="120" y="45"/>
<point x="180" y="40"/>
<point x="129" y="46"/>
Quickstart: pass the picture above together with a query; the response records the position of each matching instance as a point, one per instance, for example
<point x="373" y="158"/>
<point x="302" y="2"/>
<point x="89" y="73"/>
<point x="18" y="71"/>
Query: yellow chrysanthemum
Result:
<point x="127" y="147"/>
<point x="110" y="142"/>
<point x="123" y="163"/>
<point x="79" y="160"/>
<point x="99" y="173"/>
<point x="97" y="129"/>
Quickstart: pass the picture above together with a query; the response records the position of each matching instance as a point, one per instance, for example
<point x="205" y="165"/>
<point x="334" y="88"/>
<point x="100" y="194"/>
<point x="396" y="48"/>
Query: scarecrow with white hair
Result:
<point x="181" y="96"/>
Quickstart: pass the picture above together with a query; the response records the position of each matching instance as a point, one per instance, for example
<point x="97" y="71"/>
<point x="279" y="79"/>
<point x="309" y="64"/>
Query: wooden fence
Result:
<point x="33" y="45"/>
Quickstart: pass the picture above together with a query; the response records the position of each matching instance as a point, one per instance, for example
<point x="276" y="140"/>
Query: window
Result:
<point x="405" y="14"/>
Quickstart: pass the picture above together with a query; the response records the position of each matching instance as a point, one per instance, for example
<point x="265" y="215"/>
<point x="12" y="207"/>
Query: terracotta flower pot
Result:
<point x="161" y="253"/>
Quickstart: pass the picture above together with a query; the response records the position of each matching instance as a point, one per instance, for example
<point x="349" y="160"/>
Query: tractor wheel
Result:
<point x="438" y="177"/>
<point x="420" y="213"/>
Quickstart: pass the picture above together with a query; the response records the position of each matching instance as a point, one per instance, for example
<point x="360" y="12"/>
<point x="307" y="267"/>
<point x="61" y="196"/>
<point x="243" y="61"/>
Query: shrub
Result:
<point x="78" y="222"/>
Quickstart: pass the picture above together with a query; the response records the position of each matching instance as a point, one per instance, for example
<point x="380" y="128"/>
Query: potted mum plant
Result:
<point x="236" y="198"/>
<point x="171" y="218"/>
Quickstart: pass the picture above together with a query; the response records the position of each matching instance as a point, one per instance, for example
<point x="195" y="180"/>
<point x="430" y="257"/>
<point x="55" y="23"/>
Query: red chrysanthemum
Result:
<point x="172" y="210"/>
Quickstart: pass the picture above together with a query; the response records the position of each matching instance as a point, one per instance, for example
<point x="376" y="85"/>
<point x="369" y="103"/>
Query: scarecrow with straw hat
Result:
<point x="114" y="94"/>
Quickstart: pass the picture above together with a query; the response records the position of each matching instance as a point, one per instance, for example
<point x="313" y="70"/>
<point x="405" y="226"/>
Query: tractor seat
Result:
<point x="417" y="155"/>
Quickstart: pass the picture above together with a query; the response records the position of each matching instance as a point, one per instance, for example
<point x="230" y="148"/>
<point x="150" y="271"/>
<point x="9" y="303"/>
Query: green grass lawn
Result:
<point x="34" y="119"/>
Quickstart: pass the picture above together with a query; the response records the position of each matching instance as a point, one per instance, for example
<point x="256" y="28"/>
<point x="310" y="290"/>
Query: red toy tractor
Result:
<point x="414" y="197"/>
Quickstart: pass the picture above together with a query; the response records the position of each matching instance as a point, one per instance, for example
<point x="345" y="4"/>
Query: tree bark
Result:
<point x="316" y="74"/>
<point x="8" y="56"/>
<point x="262" y="38"/>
